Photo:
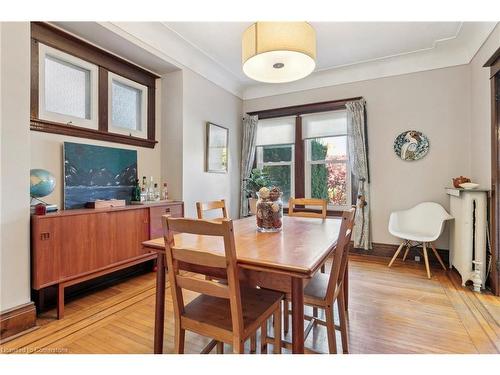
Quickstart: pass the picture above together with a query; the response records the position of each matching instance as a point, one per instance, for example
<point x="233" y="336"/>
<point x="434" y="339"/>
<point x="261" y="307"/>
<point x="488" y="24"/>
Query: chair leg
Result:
<point x="286" y="317"/>
<point x="426" y="259"/>
<point x="397" y="253"/>
<point x="406" y="252"/>
<point x="277" y="332"/>
<point x="253" y="344"/>
<point x="330" y="330"/>
<point x="263" y="338"/>
<point x="179" y="339"/>
<point x="343" y="321"/>
<point x="220" y="347"/>
<point x="238" y="346"/>
<point x="437" y="255"/>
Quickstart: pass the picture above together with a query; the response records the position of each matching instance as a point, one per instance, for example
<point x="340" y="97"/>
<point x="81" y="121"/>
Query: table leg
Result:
<point x="346" y="286"/>
<point x="160" y="303"/>
<point x="297" y="316"/>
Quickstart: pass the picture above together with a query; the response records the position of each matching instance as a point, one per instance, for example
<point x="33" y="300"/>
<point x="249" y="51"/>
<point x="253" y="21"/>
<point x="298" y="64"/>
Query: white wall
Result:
<point x="204" y="101"/>
<point x="171" y="136"/>
<point x="435" y="102"/>
<point x="481" y="111"/>
<point x="47" y="153"/>
<point x="15" y="164"/>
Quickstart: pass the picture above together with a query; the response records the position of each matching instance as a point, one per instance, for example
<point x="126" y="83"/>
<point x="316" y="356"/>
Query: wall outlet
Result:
<point x="417" y="258"/>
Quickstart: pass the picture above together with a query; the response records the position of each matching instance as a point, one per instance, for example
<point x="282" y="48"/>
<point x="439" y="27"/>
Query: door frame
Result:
<point x="494" y="64"/>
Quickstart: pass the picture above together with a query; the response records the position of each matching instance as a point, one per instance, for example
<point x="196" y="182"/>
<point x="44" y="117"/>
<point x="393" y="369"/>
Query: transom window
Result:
<point x="68" y="88"/>
<point x="128" y="106"/>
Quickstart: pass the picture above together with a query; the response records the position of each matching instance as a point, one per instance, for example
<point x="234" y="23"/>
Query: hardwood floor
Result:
<point x="396" y="310"/>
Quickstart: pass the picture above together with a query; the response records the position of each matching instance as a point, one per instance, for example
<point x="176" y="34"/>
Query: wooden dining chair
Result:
<point x="323" y="290"/>
<point x="228" y="313"/>
<point x="292" y="210"/>
<point x="294" y="202"/>
<point x="202" y="207"/>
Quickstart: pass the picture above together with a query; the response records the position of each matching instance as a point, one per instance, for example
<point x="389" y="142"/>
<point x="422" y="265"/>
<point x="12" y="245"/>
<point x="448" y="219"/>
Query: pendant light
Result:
<point x="276" y="52"/>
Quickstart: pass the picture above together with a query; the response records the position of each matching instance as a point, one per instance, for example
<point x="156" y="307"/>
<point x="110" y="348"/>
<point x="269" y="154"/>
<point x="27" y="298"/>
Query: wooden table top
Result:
<point x="300" y="248"/>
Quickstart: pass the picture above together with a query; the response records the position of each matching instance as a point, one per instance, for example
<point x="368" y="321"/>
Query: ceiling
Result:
<point x="338" y="43"/>
<point x="346" y="51"/>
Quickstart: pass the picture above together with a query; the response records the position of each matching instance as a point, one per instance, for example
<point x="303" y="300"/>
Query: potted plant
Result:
<point x="257" y="180"/>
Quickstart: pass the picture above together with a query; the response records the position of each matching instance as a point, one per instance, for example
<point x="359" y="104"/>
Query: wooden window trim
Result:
<point x="299" y="161"/>
<point x="107" y="62"/>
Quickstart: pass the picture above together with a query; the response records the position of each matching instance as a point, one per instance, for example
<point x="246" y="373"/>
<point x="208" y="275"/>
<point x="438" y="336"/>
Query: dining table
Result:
<point x="283" y="261"/>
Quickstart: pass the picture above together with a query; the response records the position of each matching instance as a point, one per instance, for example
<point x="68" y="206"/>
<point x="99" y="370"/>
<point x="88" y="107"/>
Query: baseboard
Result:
<point x="16" y="320"/>
<point x="388" y="250"/>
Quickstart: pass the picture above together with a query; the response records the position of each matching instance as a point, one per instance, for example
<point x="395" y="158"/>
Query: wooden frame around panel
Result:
<point x="494" y="64"/>
<point x="56" y="38"/>
<point x="299" y="161"/>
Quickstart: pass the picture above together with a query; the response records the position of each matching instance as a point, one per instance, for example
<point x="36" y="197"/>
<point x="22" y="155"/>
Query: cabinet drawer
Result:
<point x="155" y="214"/>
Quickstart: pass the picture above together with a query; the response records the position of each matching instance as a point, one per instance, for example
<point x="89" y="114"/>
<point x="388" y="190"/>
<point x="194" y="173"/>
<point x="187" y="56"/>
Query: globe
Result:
<point x="42" y="183"/>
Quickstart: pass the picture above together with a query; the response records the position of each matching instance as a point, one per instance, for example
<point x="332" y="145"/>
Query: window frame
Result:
<point x="43" y="33"/>
<point x="260" y="163"/>
<point x="113" y="128"/>
<point x="302" y="109"/>
<point x="93" y="122"/>
<point x="308" y="162"/>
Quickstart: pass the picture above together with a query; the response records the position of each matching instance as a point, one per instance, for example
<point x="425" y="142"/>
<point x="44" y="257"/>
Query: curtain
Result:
<point x="247" y="157"/>
<point x="358" y="154"/>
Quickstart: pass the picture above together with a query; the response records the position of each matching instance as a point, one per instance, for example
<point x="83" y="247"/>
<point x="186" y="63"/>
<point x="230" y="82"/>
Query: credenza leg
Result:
<point x="60" y="301"/>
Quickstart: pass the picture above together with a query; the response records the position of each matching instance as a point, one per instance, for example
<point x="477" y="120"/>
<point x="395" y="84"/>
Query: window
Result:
<point x="277" y="162"/>
<point x="327" y="172"/>
<point x="68" y="88"/>
<point x="128" y="106"/>
<point x="80" y="90"/>
<point x="323" y="155"/>
<point x="275" y="152"/>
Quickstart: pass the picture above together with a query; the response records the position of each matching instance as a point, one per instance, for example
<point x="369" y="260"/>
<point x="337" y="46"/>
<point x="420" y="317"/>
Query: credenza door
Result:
<point x="128" y="229"/>
<point x="84" y="240"/>
<point x="46" y="250"/>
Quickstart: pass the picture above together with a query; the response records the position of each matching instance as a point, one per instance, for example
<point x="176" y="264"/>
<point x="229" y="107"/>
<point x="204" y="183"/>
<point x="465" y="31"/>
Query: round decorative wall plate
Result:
<point x="411" y="145"/>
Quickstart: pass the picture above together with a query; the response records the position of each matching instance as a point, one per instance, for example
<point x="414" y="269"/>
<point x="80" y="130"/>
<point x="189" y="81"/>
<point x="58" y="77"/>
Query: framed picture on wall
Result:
<point x="216" y="148"/>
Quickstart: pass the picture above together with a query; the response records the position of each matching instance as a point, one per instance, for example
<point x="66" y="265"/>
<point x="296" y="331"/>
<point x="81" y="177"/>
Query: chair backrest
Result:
<point x="177" y="256"/>
<point x="424" y="218"/>
<point x="201" y="207"/>
<point x="341" y="255"/>
<point x="293" y="202"/>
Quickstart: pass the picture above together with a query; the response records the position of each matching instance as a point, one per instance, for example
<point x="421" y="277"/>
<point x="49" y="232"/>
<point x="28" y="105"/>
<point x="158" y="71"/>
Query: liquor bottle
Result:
<point x="136" y="194"/>
<point x="164" y="192"/>
<point x="151" y="191"/>
<point x="156" y="192"/>
<point x="144" y="190"/>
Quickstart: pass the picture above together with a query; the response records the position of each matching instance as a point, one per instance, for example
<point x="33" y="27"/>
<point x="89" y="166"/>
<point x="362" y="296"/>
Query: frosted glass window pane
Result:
<point x="126" y="106"/>
<point x="276" y="131"/>
<point x="324" y="124"/>
<point x="67" y="88"/>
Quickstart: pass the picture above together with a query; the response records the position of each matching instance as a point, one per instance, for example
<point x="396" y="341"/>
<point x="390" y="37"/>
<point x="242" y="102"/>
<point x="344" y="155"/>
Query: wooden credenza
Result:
<point x="72" y="246"/>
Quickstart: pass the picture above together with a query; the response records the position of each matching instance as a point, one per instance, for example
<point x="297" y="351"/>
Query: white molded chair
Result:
<point x="422" y="224"/>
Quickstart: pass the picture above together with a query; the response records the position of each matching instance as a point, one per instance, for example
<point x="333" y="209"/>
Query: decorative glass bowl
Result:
<point x="269" y="210"/>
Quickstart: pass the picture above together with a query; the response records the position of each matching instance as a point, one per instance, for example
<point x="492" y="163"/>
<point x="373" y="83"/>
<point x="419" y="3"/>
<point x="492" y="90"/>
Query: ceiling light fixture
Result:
<point x="277" y="52"/>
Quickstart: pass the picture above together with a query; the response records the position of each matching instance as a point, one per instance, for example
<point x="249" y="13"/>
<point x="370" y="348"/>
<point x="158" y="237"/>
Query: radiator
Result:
<point x="468" y="235"/>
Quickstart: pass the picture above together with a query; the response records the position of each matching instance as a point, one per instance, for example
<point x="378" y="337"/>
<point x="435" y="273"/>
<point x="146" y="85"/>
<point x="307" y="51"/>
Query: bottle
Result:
<point x="151" y="192"/>
<point x="164" y="192"/>
<point x="144" y="195"/>
<point x="156" y="192"/>
<point x="136" y="194"/>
